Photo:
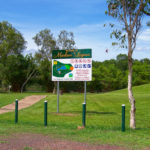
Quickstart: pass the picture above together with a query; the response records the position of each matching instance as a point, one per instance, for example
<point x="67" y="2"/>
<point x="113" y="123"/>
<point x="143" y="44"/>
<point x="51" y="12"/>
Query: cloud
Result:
<point x="88" y="28"/>
<point x="140" y="48"/>
<point x="145" y="35"/>
<point x="92" y="36"/>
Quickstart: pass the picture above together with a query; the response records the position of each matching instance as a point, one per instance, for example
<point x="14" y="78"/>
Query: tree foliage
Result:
<point x="11" y="41"/>
<point x="14" y="73"/>
<point x="66" y="40"/>
<point x="146" y="7"/>
<point x="46" y="43"/>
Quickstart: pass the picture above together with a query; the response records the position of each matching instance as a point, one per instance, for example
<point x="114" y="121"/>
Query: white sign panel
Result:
<point x="68" y="66"/>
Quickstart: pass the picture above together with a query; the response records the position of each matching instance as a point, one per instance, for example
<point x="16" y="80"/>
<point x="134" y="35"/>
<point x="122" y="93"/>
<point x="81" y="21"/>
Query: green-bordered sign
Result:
<point x="72" y="65"/>
<point x="70" y="54"/>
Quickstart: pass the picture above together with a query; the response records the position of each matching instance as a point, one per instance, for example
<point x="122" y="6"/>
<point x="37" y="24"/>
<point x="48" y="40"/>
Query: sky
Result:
<point x="85" y="18"/>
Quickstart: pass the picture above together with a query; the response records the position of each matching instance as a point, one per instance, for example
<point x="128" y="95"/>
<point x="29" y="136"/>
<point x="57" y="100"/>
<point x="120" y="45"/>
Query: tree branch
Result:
<point x="125" y="16"/>
<point x="28" y="78"/>
<point x="137" y="14"/>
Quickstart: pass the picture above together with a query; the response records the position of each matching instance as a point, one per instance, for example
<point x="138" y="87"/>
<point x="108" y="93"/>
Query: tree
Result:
<point x="30" y="71"/>
<point x="122" y="62"/>
<point x="11" y="41"/>
<point x="45" y="74"/>
<point x="14" y="72"/>
<point x="66" y="40"/>
<point x="129" y="13"/>
<point x="46" y="43"/>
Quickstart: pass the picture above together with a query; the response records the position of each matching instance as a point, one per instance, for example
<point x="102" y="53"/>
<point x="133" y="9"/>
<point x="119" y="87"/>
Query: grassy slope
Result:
<point x="103" y="118"/>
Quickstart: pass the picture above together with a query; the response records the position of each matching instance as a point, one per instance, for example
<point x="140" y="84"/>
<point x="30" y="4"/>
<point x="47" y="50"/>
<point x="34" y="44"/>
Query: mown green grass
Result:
<point x="103" y="124"/>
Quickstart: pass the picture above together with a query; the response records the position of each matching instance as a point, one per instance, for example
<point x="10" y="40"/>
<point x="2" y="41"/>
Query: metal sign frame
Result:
<point x="75" y="54"/>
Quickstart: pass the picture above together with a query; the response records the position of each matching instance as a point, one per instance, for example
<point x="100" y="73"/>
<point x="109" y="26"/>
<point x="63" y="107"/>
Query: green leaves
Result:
<point x="11" y="41"/>
<point x="146" y="7"/>
<point x="66" y="40"/>
<point x="46" y="43"/>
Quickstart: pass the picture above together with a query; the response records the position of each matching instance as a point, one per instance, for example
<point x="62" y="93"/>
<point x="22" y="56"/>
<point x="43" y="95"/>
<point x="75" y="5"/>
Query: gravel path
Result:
<point x="26" y="102"/>
<point x="41" y="142"/>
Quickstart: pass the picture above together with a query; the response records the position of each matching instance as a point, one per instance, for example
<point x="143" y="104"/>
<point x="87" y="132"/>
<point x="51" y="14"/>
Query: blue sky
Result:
<point x="85" y="18"/>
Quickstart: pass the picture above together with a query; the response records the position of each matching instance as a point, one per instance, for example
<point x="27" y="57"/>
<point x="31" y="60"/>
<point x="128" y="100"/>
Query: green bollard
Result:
<point x="123" y="118"/>
<point x="84" y="115"/>
<point x="16" y="111"/>
<point x="45" y="113"/>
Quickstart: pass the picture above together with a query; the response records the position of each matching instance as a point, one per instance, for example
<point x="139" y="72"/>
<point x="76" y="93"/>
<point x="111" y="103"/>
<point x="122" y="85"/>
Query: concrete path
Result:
<point x="24" y="103"/>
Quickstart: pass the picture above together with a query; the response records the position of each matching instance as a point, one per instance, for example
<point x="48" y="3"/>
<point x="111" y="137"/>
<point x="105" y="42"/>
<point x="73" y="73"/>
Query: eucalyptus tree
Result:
<point x="66" y="40"/>
<point x="11" y="41"/>
<point x="30" y="71"/>
<point x="129" y="13"/>
<point x="46" y="43"/>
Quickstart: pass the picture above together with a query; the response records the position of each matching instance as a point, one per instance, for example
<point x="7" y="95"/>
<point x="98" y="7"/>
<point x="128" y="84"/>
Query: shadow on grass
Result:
<point x="101" y="113"/>
<point x="88" y="113"/>
<point x="139" y="129"/>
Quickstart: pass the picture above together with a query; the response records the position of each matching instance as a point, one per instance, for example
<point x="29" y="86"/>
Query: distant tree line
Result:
<point x="20" y="72"/>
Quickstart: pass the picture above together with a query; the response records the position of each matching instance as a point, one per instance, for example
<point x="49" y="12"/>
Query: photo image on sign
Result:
<point x="61" y="69"/>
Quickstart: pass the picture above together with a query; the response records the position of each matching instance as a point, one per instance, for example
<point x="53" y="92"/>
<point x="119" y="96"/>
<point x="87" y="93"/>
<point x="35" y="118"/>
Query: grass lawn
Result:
<point x="103" y="118"/>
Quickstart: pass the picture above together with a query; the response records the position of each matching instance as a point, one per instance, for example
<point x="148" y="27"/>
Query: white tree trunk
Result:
<point x="130" y="93"/>
<point x="132" y="100"/>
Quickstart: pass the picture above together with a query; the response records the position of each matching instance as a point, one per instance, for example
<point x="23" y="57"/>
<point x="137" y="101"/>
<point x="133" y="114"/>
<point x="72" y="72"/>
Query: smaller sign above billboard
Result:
<point x="72" y="65"/>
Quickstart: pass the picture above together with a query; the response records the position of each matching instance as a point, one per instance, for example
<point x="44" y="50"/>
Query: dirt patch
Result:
<point x="41" y="142"/>
<point x="26" y="102"/>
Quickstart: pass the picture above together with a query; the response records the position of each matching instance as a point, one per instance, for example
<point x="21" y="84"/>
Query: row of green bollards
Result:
<point x="45" y="112"/>
<point x="83" y="114"/>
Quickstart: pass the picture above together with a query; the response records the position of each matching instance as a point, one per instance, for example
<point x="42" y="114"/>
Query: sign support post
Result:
<point x="57" y="96"/>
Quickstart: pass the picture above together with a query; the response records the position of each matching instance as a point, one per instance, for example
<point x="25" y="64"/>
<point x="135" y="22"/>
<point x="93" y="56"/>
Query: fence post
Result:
<point x="123" y="118"/>
<point x="16" y="111"/>
<point x="45" y="113"/>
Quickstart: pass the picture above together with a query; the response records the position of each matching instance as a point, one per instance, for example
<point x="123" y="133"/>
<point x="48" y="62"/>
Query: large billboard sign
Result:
<point x="72" y="65"/>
